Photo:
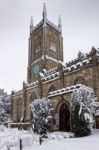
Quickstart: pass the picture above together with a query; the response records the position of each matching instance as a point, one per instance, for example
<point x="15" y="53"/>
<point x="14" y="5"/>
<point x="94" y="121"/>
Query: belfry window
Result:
<point x="19" y="110"/>
<point x="52" y="46"/>
<point x="37" y="44"/>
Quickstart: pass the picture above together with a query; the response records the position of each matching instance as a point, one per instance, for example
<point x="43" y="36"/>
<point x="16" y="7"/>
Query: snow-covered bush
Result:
<point x="4" y="106"/>
<point x="41" y="115"/>
<point x="82" y="111"/>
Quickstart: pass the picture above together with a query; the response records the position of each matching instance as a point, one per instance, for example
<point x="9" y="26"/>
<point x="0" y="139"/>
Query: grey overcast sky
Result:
<point x="80" y="20"/>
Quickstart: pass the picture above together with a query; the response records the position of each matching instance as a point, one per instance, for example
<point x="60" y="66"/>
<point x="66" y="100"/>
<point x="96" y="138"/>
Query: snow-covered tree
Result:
<point x="41" y="115"/>
<point x="4" y="106"/>
<point x="83" y="109"/>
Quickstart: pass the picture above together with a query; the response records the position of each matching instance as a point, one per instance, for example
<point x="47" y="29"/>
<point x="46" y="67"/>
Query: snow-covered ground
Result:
<point x="56" y="141"/>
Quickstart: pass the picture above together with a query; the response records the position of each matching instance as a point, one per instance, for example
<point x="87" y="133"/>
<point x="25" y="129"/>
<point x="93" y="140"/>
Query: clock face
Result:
<point x="36" y="69"/>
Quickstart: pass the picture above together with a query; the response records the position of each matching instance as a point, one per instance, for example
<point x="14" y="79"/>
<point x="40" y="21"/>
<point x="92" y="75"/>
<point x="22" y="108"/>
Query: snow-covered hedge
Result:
<point x="83" y="109"/>
<point x="41" y="115"/>
<point x="4" y="106"/>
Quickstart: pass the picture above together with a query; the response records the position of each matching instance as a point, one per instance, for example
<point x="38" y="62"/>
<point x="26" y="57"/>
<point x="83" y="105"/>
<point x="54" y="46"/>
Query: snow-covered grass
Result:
<point x="56" y="140"/>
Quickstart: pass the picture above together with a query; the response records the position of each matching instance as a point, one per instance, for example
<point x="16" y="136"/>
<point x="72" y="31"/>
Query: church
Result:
<point x="49" y="77"/>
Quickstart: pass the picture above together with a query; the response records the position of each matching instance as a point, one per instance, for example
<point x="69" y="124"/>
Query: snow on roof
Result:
<point x="63" y="64"/>
<point x="73" y="66"/>
<point x="41" y="74"/>
<point x="32" y="84"/>
<point x="85" y="60"/>
<point x="35" y="61"/>
<point x="67" y="69"/>
<point x="45" y="71"/>
<point x="42" y="57"/>
<point x="51" y="70"/>
<point x="39" y="24"/>
<point x="53" y="59"/>
<point x="17" y="92"/>
<point x="78" y="64"/>
<point x="75" y="61"/>
<point x="50" y="80"/>
<point x="97" y="52"/>
<point x="28" y="86"/>
<point x="68" y="90"/>
<point x="49" y="23"/>
<point x="97" y="113"/>
<point x="53" y="25"/>
<point x="50" y="76"/>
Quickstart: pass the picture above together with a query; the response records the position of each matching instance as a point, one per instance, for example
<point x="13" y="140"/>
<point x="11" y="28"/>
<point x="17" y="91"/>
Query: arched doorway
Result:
<point x="64" y="118"/>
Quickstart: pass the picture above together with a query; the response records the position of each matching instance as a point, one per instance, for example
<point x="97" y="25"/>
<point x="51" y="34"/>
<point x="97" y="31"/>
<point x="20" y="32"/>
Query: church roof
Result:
<point x="48" y="23"/>
<point x="68" y="90"/>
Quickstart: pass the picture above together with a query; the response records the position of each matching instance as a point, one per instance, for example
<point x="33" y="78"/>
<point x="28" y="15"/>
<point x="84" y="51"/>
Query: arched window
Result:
<point x="51" y="88"/>
<point x="33" y="96"/>
<point x="19" y="110"/>
<point x="64" y="118"/>
<point x="80" y="80"/>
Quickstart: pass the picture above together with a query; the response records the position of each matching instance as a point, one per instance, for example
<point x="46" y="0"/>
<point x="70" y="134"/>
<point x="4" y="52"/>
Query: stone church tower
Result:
<point x="45" y="46"/>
